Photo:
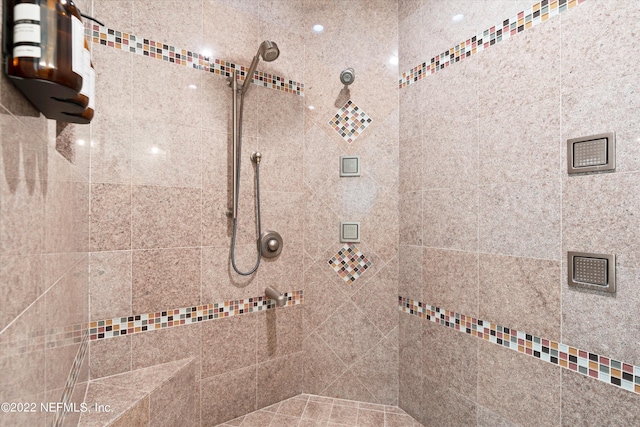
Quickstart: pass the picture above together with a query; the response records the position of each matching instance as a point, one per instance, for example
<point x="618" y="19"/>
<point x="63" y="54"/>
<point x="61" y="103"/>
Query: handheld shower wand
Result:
<point x="269" y="52"/>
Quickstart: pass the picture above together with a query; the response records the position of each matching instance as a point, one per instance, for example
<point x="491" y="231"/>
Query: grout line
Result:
<point x="477" y="235"/>
<point x="44" y="293"/>
<point x="562" y="291"/>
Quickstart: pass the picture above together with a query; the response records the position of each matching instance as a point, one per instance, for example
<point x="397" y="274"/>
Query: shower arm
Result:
<point x="234" y="87"/>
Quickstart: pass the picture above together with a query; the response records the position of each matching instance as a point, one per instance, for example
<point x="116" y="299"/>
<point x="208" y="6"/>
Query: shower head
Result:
<point x="269" y="52"/>
<point x="347" y="76"/>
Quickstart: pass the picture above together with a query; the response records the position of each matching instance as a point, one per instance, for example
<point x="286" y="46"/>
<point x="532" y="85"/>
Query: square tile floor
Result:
<point x="317" y="411"/>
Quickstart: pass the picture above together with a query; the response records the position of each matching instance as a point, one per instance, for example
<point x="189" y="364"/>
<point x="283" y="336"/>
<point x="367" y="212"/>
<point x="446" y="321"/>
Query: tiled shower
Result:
<point x="454" y="305"/>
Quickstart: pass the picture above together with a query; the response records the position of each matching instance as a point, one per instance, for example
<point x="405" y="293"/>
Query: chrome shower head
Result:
<point x="347" y="76"/>
<point x="269" y="52"/>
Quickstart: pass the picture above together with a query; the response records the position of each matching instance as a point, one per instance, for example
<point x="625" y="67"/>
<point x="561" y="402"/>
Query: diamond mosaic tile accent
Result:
<point x="536" y="14"/>
<point x="350" y="121"/>
<point x="605" y="369"/>
<point x="349" y="263"/>
<point x="156" y="50"/>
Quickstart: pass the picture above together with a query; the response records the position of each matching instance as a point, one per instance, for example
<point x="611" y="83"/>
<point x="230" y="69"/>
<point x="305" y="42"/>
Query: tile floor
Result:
<point x="317" y="411"/>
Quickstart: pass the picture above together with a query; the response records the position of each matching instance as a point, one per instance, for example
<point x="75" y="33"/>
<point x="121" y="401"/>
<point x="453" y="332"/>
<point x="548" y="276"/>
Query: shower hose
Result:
<point x="236" y="197"/>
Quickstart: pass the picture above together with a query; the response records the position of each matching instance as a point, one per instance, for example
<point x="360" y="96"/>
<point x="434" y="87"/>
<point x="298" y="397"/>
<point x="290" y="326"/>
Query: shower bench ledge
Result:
<point x="160" y="395"/>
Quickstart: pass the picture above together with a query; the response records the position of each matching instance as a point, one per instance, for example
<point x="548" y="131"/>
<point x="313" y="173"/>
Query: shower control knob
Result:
<point x="256" y="157"/>
<point x="271" y="243"/>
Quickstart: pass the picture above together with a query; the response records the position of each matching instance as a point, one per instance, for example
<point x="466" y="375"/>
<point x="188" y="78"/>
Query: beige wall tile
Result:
<point x="450" y="225"/>
<point x="174" y="401"/>
<point x="228" y="396"/>
<point x="377" y="370"/>
<point x="118" y="14"/>
<point x="379" y="296"/>
<point x="410" y="164"/>
<point x="240" y="18"/>
<point x="521" y="59"/>
<point x="169" y="24"/>
<point x="450" y="280"/>
<point x="21" y="283"/>
<point x="228" y="344"/>
<point x="112" y="124"/>
<point x="588" y="316"/>
<point x="166" y="154"/>
<point x="164" y="279"/>
<point x="155" y="211"/>
<point x="410" y="272"/>
<point x="349" y="342"/>
<point x="347" y="386"/>
<point x="166" y="345"/>
<point x="450" y="360"/>
<point x="279" y="379"/>
<point x="521" y="219"/>
<point x="589" y="402"/>
<point x="521" y="293"/>
<point x="599" y="216"/>
<point x="109" y="357"/>
<point x="410" y="218"/>
<point x="518" y="387"/>
<point x="583" y="65"/>
<point x="110" y="217"/>
<point x="521" y="144"/>
<point x="220" y="282"/>
<point x="279" y="333"/>
<point x="321" y="365"/>
<point x="487" y="418"/>
<point x="608" y="106"/>
<point x="410" y="376"/>
<point x="322" y="297"/>
<point x="110" y="285"/>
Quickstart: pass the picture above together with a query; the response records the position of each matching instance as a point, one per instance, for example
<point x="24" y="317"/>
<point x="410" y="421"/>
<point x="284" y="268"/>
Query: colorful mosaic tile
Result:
<point x="605" y="369"/>
<point x="166" y="319"/>
<point x="160" y="51"/>
<point x="350" y="121"/>
<point x="349" y="263"/>
<point x="536" y="14"/>
<point x="118" y="326"/>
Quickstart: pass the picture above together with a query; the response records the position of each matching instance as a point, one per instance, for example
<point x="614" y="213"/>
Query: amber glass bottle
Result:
<point x="87" y="93"/>
<point x="57" y="55"/>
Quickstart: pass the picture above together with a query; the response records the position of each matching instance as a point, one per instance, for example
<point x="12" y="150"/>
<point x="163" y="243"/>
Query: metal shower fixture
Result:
<point x="269" y="51"/>
<point x="347" y="76"/>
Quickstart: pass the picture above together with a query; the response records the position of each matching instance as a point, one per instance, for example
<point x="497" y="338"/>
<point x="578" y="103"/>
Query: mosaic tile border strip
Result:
<point x="536" y="14"/>
<point x="119" y="326"/>
<point x="72" y="380"/>
<point x="186" y="58"/>
<point x="605" y="369"/>
<point x="349" y="263"/>
<point x="350" y="121"/>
